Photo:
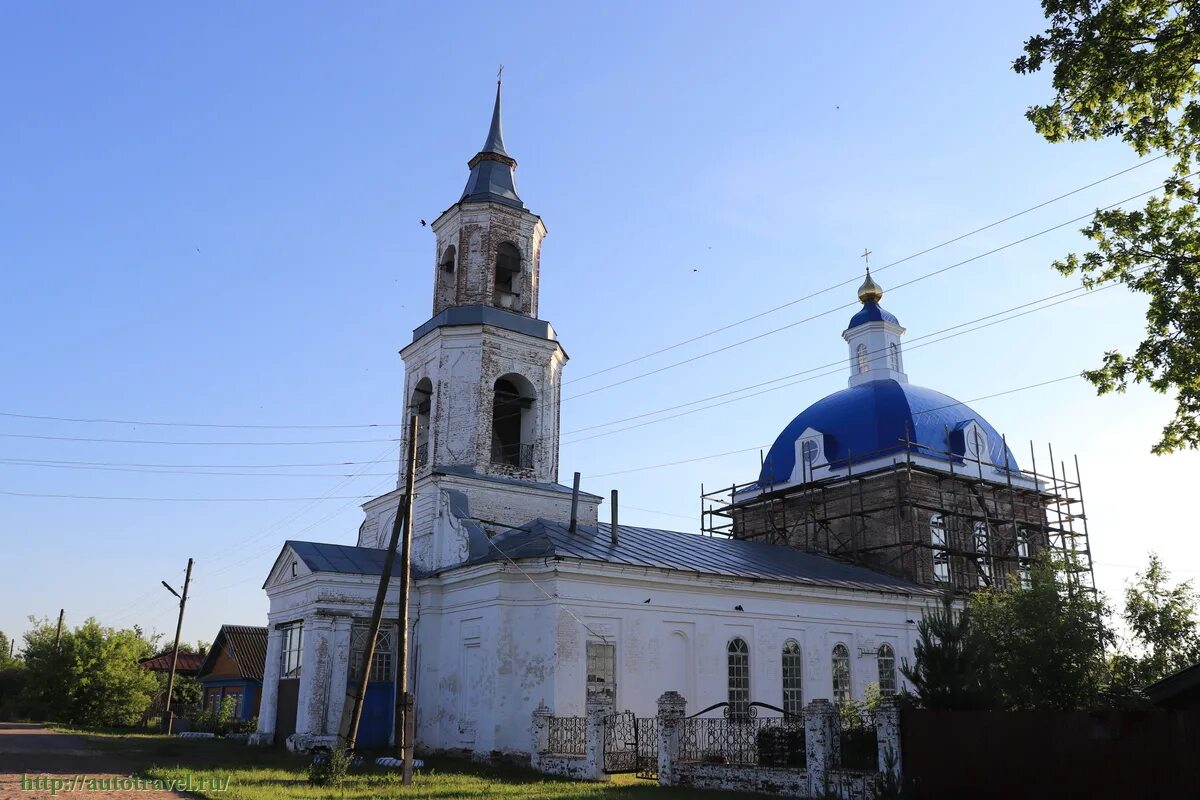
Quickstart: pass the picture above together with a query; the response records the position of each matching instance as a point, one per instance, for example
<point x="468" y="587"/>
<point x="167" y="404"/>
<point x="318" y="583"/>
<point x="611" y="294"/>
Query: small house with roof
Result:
<point x="234" y="668"/>
<point x="522" y="599"/>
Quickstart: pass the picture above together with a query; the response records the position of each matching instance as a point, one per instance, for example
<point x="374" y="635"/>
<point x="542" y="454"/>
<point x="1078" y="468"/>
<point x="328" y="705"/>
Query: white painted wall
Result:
<point x="491" y="641"/>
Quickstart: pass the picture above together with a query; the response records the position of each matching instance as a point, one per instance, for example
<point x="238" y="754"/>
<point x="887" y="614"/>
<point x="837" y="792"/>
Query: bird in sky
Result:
<point x="423" y="223"/>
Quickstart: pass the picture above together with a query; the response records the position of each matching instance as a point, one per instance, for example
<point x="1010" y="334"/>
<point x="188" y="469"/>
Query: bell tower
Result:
<point x="483" y="374"/>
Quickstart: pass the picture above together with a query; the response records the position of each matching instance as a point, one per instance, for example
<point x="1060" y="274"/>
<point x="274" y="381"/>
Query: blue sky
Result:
<point x="210" y="215"/>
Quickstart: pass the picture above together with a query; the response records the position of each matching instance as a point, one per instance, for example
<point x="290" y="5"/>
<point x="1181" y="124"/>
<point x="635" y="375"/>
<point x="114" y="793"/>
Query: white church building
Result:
<point x="512" y="606"/>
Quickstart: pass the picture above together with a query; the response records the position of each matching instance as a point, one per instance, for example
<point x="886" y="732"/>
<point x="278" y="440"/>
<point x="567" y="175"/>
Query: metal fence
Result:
<point x="567" y="736"/>
<point x="859" y="739"/>
<point x="744" y="739"/>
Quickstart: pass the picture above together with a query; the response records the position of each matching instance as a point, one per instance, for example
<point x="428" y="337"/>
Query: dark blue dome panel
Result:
<point x="872" y="420"/>
<point x="872" y="312"/>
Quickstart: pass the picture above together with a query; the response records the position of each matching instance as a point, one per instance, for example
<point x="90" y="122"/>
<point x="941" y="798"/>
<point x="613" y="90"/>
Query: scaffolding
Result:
<point x="933" y="517"/>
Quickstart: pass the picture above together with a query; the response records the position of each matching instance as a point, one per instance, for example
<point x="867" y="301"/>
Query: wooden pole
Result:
<point x="187" y="579"/>
<point x="58" y="633"/>
<point x="357" y="690"/>
<point x="404" y="718"/>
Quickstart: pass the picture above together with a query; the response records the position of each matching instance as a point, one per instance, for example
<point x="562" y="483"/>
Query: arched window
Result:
<point x="512" y="422"/>
<point x="420" y="404"/>
<point x="979" y="532"/>
<point x="887" y="670"/>
<point x="739" y="678"/>
<point x="508" y="267"/>
<point x="793" y="698"/>
<point x="864" y="362"/>
<point x="448" y="259"/>
<point x="937" y="538"/>
<point x="841" y="673"/>
<point x="894" y="357"/>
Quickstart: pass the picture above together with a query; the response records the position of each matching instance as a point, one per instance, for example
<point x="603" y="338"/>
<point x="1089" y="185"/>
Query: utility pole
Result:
<point x="355" y="693"/>
<point x="404" y="718"/>
<point x="58" y="633"/>
<point x="187" y="579"/>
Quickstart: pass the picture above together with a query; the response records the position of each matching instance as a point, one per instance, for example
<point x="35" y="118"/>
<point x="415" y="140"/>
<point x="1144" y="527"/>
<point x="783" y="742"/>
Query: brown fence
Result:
<point x="1151" y="755"/>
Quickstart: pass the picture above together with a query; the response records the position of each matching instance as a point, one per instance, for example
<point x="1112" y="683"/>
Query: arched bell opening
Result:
<point x="513" y="428"/>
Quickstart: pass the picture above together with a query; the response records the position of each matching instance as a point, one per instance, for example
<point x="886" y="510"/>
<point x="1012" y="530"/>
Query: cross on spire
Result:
<point x="500" y="74"/>
<point x="866" y="257"/>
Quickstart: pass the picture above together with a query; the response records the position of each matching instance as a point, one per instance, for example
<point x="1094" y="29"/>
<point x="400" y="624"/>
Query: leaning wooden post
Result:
<point x="404" y="719"/>
<point x="356" y="691"/>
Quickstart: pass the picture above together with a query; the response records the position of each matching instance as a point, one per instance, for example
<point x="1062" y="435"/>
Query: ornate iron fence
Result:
<point x="631" y="744"/>
<point x="744" y="739"/>
<point x="858" y="738"/>
<point x="567" y="736"/>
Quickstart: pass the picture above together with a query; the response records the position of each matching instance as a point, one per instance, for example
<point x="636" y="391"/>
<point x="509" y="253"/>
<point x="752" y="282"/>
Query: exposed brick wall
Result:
<point x="883" y="521"/>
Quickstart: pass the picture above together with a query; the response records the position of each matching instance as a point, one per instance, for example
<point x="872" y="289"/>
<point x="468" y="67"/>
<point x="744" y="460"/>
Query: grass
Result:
<point x="261" y="773"/>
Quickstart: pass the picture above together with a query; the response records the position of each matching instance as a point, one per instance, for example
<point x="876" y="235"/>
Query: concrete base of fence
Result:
<point x="575" y="767"/>
<point x="768" y="780"/>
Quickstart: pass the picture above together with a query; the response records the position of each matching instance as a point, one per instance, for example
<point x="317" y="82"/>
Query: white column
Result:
<point x="672" y="708"/>
<point x="339" y="673"/>
<point x="314" y="676"/>
<point x="269" y="705"/>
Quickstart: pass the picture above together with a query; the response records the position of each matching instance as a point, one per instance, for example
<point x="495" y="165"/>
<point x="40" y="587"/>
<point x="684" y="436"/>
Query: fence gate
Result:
<point x="631" y="744"/>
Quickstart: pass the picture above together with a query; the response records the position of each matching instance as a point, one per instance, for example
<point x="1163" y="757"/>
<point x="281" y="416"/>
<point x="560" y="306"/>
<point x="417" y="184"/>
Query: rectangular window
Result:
<point x="381" y="663"/>
<point x="984" y="560"/>
<point x="602" y="671"/>
<point x="290" y="653"/>
<point x="1023" y="557"/>
<point x="941" y="558"/>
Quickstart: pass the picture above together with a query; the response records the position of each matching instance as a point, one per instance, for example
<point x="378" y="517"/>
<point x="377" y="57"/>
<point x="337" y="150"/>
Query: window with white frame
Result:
<point x="793" y="696"/>
<point x="602" y="671"/>
<point x="941" y="557"/>
<point x="739" y="678"/>
<point x="381" y="662"/>
<point x="864" y="361"/>
<point x="983" y="560"/>
<point x="841" y="673"/>
<point x="894" y="357"/>
<point x="1023" y="557"/>
<point x="292" y="649"/>
<point x="886" y="658"/>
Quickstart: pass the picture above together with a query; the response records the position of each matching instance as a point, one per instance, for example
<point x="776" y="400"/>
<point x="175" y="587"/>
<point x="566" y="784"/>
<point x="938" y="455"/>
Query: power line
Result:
<point x="625" y="363"/>
<point x="185" y="499"/>
<point x="192" y="444"/>
<point x="845" y="306"/>
<point x="857" y="278"/>
<point x="840" y="365"/>
<point x="192" y="466"/>
<point x="142" y="471"/>
<point x="763" y="447"/>
<point x="107" y="421"/>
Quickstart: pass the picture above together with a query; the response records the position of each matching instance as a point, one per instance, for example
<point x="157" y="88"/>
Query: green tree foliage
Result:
<point x="1128" y="69"/>
<point x="1161" y="619"/>
<point x="91" y="677"/>
<point x="1044" y="645"/>
<point x="948" y="666"/>
<point x="5" y="659"/>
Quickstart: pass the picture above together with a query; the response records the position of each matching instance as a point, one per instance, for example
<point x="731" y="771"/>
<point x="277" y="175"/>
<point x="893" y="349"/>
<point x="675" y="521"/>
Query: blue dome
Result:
<point x="871" y="420"/>
<point x="872" y="312"/>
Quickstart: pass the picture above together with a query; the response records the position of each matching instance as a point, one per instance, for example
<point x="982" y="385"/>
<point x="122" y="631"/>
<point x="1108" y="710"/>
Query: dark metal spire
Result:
<point x="492" y="178"/>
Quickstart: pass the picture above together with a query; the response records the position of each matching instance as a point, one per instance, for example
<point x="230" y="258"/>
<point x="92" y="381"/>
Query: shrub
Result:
<point x="329" y="769"/>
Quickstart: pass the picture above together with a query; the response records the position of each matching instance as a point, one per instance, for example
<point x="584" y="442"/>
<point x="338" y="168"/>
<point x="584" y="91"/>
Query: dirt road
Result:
<point x="60" y="765"/>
